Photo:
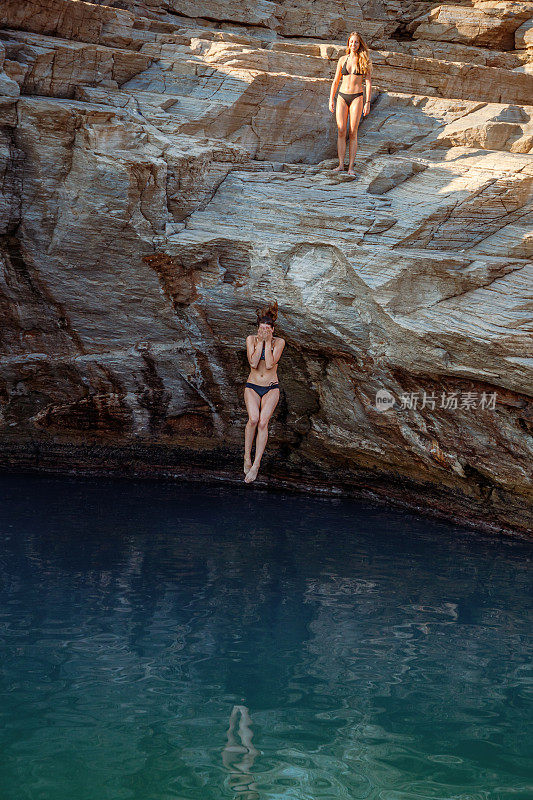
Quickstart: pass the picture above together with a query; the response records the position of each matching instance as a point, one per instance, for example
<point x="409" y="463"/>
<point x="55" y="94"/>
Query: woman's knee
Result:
<point x="253" y="419"/>
<point x="353" y="135"/>
<point x="342" y="130"/>
<point x="263" y="424"/>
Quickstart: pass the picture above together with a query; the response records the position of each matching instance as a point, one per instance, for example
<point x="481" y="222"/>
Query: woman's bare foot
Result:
<point x="252" y="474"/>
<point x="351" y="172"/>
<point x="247" y="465"/>
<point x="340" y="168"/>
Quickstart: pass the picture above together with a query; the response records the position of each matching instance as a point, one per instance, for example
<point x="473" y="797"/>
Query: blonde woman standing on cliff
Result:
<point x="261" y="394"/>
<point x="352" y="69"/>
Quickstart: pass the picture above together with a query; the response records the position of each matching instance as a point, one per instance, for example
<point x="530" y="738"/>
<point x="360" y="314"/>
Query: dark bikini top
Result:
<point x="344" y="71"/>
<point x="262" y="353"/>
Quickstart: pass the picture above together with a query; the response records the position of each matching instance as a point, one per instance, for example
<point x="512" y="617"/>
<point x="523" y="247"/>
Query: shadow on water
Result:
<point x="176" y="641"/>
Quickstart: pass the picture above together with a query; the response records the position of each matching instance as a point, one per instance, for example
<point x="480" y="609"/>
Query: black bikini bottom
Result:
<point x="349" y="98"/>
<point x="262" y="390"/>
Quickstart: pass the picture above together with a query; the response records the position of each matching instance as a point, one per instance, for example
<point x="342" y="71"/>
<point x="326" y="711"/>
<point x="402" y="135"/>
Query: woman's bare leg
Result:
<point x="240" y="779"/>
<point x="268" y="404"/>
<point x="341" y="115"/>
<point x="245" y="730"/>
<point x="355" y="116"/>
<point x="253" y="403"/>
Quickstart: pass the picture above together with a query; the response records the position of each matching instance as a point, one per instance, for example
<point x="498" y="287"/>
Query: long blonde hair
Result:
<point x="362" y="57"/>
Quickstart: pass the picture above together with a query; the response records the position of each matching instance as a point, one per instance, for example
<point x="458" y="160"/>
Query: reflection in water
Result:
<point x="239" y="758"/>
<point x="379" y="655"/>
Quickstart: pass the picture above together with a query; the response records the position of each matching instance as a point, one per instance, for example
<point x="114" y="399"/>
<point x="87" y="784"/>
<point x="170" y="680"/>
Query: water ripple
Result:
<point x="179" y="648"/>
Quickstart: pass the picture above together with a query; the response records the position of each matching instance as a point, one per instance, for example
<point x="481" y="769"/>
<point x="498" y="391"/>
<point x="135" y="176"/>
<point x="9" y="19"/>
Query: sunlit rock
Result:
<point x="166" y="168"/>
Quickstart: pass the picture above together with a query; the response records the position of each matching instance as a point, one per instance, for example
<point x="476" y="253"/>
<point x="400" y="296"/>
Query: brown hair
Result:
<point x="362" y="57"/>
<point x="268" y="313"/>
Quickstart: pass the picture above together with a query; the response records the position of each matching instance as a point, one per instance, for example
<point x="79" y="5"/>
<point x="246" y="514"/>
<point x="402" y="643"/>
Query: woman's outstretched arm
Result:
<point x="336" y="81"/>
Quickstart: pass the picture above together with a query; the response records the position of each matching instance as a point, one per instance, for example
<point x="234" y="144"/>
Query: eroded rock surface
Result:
<point x="166" y="167"/>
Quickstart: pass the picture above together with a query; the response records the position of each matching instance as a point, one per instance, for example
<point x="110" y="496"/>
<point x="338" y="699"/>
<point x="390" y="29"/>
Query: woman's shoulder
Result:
<point x="279" y="340"/>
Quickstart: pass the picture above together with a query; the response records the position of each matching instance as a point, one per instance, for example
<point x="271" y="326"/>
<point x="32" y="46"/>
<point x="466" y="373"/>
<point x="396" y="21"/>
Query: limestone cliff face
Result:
<point x="166" y="166"/>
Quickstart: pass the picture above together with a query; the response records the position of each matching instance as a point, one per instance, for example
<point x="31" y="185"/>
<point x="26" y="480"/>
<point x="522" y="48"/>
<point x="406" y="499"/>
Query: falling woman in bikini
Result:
<point x="261" y="394"/>
<point x="352" y="69"/>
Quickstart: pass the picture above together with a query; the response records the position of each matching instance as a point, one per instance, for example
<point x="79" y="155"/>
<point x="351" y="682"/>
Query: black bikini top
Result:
<point x="262" y="353"/>
<point x="344" y="71"/>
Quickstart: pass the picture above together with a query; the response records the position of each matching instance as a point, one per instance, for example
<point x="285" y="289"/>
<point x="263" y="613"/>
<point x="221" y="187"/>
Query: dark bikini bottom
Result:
<point x="262" y="390"/>
<point x="349" y="98"/>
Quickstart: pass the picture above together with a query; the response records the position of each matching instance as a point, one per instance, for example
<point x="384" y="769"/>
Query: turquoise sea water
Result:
<point x="162" y="642"/>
